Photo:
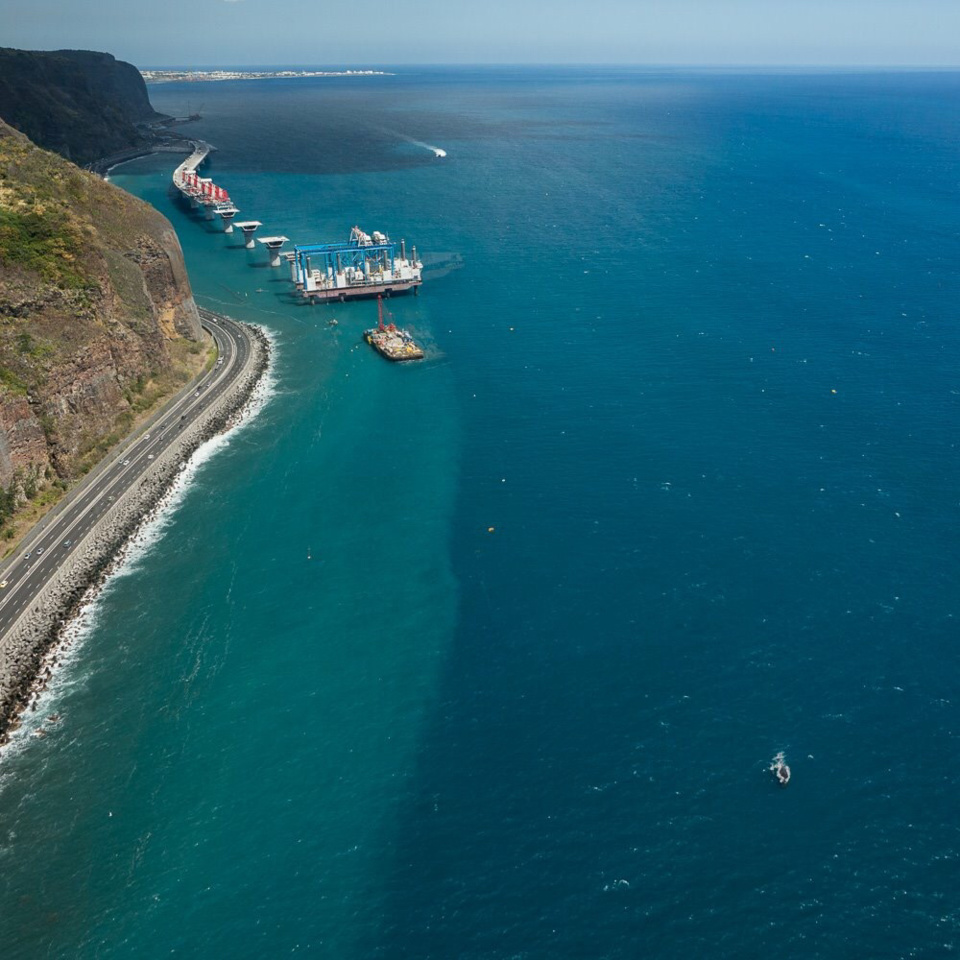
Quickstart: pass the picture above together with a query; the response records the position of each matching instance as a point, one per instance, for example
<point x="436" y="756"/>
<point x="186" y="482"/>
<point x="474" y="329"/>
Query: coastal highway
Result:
<point x="53" y="542"/>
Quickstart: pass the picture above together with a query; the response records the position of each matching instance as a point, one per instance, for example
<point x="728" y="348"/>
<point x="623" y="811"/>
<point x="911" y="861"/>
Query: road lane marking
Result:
<point x="79" y="509"/>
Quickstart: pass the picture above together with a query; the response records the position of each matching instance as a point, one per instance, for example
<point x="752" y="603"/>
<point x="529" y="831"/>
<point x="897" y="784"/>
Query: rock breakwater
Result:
<point x="27" y="649"/>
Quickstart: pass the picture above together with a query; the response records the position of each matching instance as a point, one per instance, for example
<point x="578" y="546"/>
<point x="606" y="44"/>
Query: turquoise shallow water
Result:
<point x="697" y="371"/>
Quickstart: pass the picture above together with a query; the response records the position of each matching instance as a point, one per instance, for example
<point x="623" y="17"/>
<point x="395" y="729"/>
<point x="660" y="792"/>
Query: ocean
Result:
<point x="488" y="656"/>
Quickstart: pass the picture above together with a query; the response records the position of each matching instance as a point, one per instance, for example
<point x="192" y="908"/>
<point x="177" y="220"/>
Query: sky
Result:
<point x="184" y="33"/>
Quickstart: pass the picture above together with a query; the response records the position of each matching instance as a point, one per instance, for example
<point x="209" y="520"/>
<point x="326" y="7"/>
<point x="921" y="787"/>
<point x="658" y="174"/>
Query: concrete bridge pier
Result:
<point x="273" y="245"/>
<point x="249" y="228"/>
<point x="227" y="212"/>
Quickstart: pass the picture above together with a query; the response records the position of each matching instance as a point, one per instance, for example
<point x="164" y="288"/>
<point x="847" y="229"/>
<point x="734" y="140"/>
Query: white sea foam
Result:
<point x="67" y="674"/>
<point x="161" y="516"/>
<point x="152" y="530"/>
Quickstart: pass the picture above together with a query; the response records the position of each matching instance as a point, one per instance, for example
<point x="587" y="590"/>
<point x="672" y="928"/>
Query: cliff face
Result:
<point x="96" y="316"/>
<point x="80" y="104"/>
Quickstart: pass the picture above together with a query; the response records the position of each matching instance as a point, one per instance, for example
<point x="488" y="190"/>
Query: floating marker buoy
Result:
<point x="833" y="391"/>
<point x="490" y="529"/>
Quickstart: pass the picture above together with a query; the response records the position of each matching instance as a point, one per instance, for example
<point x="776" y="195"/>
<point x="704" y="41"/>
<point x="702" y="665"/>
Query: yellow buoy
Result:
<point x="490" y="529"/>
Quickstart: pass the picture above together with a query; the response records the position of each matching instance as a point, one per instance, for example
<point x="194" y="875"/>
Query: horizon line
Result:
<point x="677" y="65"/>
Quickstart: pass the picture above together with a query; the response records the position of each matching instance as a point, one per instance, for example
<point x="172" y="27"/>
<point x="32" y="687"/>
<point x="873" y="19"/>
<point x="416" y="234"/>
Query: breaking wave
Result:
<point x="62" y="659"/>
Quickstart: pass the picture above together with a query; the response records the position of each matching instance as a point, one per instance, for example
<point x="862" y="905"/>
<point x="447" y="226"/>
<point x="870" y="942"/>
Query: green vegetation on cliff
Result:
<point x="97" y="320"/>
<point x="43" y="241"/>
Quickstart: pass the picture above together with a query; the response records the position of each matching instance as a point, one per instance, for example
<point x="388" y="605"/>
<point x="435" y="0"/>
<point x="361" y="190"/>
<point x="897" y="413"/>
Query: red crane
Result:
<point x="380" y="326"/>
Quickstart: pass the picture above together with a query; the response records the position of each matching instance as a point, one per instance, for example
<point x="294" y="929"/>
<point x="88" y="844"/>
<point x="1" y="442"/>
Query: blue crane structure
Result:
<point x="365" y="255"/>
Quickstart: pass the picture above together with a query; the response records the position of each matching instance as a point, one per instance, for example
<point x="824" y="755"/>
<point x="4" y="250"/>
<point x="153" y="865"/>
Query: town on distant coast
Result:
<point x="194" y="76"/>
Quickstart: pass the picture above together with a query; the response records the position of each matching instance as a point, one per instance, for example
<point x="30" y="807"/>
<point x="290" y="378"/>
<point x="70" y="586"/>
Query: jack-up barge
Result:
<point x="363" y="266"/>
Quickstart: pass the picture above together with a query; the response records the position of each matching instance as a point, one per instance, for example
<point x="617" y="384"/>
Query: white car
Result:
<point x="126" y="463"/>
<point x="150" y="457"/>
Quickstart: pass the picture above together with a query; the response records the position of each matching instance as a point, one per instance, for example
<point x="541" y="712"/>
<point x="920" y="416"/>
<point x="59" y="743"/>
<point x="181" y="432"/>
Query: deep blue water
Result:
<point x="698" y="373"/>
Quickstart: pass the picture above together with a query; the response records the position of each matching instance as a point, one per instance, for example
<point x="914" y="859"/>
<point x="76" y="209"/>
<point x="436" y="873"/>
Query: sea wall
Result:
<point x="24" y="647"/>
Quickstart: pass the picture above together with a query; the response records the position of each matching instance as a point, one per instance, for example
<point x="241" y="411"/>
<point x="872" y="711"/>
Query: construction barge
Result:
<point x="363" y="266"/>
<point x="391" y="342"/>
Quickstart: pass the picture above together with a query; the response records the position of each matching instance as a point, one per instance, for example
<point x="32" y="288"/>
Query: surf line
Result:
<point x="35" y="642"/>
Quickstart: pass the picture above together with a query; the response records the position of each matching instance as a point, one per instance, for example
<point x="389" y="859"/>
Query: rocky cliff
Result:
<point x="97" y="320"/>
<point x="80" y="104"/>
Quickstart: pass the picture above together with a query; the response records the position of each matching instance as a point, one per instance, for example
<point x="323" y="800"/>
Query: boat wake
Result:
<point x="438" y="152"/>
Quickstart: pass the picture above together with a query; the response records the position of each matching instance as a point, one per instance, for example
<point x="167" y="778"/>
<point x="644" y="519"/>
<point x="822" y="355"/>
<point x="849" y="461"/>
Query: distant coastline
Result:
<point x="195" y="76"/>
